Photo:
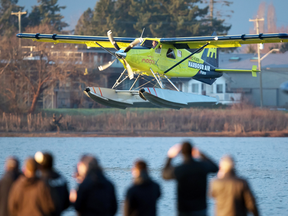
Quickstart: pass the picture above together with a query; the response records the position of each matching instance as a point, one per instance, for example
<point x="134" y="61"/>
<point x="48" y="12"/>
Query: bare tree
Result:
<point x="25" y="76"/>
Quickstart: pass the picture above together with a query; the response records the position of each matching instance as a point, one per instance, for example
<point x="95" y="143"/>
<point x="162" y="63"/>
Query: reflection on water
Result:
<point x="263" y="161"/>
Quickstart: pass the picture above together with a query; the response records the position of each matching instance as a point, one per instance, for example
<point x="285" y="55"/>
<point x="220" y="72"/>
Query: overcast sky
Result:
<point x="243" y="10"/>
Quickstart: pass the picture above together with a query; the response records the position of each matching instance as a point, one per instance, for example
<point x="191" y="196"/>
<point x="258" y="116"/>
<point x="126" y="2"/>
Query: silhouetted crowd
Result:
<point x="39" y="190"/>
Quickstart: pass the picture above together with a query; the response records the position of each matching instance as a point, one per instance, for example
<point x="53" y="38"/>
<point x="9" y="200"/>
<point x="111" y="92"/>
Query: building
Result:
<point x="233" y="87"/>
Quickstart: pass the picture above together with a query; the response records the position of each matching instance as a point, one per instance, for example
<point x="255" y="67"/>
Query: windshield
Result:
<point x="150" y="44"/>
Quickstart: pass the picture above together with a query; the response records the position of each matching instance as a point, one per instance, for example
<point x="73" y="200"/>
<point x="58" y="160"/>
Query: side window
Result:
<point x="170" y="54"/>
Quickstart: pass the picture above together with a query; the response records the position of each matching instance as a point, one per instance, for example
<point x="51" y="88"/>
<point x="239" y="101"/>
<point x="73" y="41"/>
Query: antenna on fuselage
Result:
<point x="142" y="33"/>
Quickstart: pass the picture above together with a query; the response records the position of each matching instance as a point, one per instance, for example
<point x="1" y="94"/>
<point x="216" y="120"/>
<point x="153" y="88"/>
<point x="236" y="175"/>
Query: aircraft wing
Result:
<point x="224" y="41"/>
<point x="90" y="41"/>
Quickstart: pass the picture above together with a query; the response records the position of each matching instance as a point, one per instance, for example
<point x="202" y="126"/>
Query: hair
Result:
<point x="31" y="165"/>
<point x="227" y="163"/>
<point x="90" y="162"/>
<point x="187" y="148"/>
<point x="47" y="162"/>
<point x="12" y="164"/>
<point x="140" y="165"/>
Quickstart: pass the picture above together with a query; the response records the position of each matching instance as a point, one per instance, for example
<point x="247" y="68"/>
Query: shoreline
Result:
<point x="147" y="134"/>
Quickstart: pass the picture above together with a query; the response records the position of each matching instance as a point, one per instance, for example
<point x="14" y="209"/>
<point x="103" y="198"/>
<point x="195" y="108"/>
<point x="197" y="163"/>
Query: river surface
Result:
<point x="263" y="161"/>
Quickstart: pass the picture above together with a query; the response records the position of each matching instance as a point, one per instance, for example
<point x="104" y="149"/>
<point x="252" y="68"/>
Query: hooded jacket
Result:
<point x="191" y="179"/>
<point x="233" y="196"/>
<point x="30" y="196"/>
<point x="96" y="196"/>
<point x="58" y="188"/>
<point x="141" y="197"/>
<point x="5" y="185"/>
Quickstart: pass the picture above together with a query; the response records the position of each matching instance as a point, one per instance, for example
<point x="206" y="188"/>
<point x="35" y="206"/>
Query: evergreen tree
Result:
<point x="84" y="25"/>
<point x="47" y="12"/>
<point x="9" y="23"/>
<point x="160" y="18"/>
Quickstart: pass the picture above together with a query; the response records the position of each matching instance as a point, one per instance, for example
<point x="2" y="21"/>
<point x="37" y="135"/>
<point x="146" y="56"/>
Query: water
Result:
<point x="263" y="161"/>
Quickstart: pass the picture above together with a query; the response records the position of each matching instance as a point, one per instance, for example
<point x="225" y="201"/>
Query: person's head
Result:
<point x="154" y="43"/>
<point x="12" y="164"/>
<point x="30" y="167"/>
<point x="45" y="160"/>
<point x="187" y="149"/>
<point x="226" y="164"/>
<point x="139" y="167"/>
<point x="87" y="164"/>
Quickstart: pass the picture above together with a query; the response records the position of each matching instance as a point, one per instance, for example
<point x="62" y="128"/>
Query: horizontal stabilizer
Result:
<point x="253" y="70"/>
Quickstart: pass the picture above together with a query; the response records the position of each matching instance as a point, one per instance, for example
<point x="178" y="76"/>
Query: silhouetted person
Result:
<point x="56" y="183"/>
<point x="95" y="194"/>
<point x="142" y="196"/>
<point x="232" y="194"/>
<point x="191" y="177"/>
<point x="29" y="195"/>
<point x="10" y="176"/>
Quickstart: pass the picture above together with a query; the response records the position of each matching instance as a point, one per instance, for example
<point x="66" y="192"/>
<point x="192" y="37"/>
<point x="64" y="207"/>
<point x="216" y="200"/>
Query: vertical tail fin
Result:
<point x="211" y="55"/>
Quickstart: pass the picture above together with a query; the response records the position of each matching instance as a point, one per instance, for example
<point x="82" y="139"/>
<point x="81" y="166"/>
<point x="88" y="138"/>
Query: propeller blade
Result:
<point x="103" y="67"/>
<point x="134" y="43"/>
<point x="109" y="33"/>
<point x="129" y="70"/>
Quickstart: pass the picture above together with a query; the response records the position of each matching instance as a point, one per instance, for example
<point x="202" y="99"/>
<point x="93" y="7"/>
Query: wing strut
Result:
<point x="196" y="51"/>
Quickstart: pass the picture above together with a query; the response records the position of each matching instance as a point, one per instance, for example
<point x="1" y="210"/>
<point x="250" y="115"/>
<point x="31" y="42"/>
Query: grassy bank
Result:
<point x="153" y="122"/>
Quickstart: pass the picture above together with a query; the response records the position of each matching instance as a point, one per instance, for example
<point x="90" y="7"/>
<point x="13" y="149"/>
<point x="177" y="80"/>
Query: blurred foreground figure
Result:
<point x="191" y="177"/>
<point x="56" y="183"/>
<point x="95" y="194"/>
<point x="29" y="195"/>
<point x="142" y="196"/>
<point x="232" y="194"/>
<point x="10" y="176"/>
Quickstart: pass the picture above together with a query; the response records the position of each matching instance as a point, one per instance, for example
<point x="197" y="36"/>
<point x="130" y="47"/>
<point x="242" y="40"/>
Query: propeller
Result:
<point x="103" y="67"/>
<point x="109" y="33"/>
<point x="120" y="54"/>
<point x="129" y="70"/>
<point x="134" y="43"/>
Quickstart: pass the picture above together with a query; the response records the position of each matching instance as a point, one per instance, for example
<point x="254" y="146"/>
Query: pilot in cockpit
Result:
<point x="154" y="44"/>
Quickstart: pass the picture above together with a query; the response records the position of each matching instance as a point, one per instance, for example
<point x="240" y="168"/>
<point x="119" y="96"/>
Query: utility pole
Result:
<point x="211" y="5"/>
<point x="257" y="20"/>
<point x="19" y="13"/>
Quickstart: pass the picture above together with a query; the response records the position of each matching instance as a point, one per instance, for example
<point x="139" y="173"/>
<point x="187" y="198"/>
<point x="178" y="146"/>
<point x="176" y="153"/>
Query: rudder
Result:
<point x="211" y="55"/>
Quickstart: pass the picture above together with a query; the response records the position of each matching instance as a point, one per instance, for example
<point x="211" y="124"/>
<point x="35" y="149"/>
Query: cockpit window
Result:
<point x="170" y="54"/>
<point x="150" y="44"/>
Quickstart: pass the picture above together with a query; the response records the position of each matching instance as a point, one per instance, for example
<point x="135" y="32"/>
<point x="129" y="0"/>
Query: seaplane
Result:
<point x="161" y="59"/>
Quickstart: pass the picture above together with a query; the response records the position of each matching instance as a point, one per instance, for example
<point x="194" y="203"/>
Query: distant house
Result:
<point x="233" y="87"/>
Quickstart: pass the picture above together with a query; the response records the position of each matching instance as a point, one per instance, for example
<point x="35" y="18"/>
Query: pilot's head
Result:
<point x="154" y="44"/>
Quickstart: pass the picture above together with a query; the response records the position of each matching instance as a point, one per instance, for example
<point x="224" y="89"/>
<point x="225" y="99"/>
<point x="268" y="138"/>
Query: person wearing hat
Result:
<point x="191" y="177"/>
<point x="11" y="175"/>
<point x="29" y="195"/>
<point x="232" y="194"/>
<point x="142" y="196"/>
<point x="56" y="182"/>
<point x="95" y="194"/>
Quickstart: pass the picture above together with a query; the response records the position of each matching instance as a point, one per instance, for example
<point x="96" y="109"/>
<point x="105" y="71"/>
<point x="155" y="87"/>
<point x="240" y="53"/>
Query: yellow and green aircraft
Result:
<point x="165" y="58"/>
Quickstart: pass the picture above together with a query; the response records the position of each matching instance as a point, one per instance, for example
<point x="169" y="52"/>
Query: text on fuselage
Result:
<point x="198" y="66"/>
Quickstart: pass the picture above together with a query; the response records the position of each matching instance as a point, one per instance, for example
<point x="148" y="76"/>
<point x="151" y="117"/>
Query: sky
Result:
<point x="243" y="11"/>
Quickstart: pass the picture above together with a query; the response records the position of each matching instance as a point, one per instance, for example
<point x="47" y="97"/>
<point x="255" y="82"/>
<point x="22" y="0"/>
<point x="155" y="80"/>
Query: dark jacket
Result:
<point x="30" y="196"/>
<point x="191" y="179"/>
<point x="141" y="198"/>
<point x="5" y="185"/>
<point x="233" y="196"/>
<point x="58" y="188"/>
<point x="96" y="196"/>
